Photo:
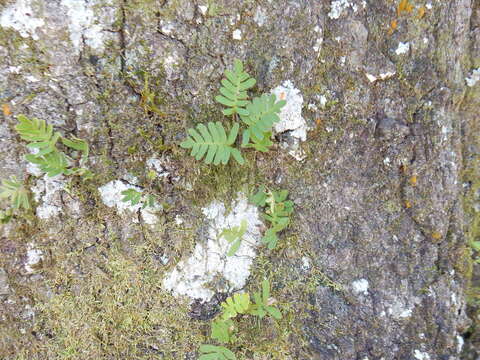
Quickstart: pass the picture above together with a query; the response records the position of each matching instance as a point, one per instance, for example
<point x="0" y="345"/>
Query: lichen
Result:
<point x="192" y="276"/>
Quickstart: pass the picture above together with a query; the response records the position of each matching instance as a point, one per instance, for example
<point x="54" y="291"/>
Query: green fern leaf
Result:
<point x="79" y="145"/>
<point x="234" y="90"/>
<point x="262" y="114"/>
<point x="53" y="163"/>
<point x="211" y="142"/>
<point x="212" y="352"/>
<point x="278" y="211"/>
<point x="222" y="330"/>
<point x="238" y="304"/>
<point x="17" y="193"/>
<point x="40" y="135"/>
<point x="262" y="145"/>
<point x="131" y="195"/>
<point x="234" y="236"/>
<point x="260" y="198"/>
<point x="263" y="303"/>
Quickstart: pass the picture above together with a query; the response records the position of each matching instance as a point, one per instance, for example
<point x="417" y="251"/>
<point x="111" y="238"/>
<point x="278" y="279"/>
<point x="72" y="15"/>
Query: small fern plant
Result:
<point x="257" y="116"/>
<point x="136" y="197"/>
<point x="277" y="212"/>
<point x="234" y="236"/>
<point x="48" y="157"/>
<point x="18" y="196"/>
<point x="223" y="327"/>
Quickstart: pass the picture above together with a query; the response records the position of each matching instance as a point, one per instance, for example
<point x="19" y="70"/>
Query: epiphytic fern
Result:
<point x="212" y="352"/>
<point x="234" y="90"/>
<point x="52" y="164"/>
<point x="278" y="211"/>
<point x="262" y="114"/>
<point x="238" y="304"/>
<point x="47" y="156"/>
<point x="264" y="303"/>
<point x="234" y="236"/>
<point x="17" y="193"/>
<point x="212" y="142"/>
<point x="40" y="135"/>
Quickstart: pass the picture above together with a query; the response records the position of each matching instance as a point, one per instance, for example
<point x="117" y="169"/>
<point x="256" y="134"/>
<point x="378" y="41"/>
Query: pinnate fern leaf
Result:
<point x="238" y="304"/>
<point x="234" y="90"/>
<point x="262" y="114"/>
<point x="17" y="193"/>
<point x="53" y="163"/>
<point x="212" y="144"/>
<point x="40" y="135"/>
<point x="212" y="352"/>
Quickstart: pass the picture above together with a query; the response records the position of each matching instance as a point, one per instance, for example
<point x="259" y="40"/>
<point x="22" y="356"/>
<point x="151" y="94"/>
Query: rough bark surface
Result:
<point x="376" y="263"/>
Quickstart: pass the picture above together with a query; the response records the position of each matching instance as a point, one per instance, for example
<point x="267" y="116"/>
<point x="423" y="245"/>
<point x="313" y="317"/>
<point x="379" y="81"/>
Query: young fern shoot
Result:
<point x="48" y="157"/>
<point x="234" y="90"/>
<point x="277" y="211"/>
<point x="210" y="142"/>
<point x="234" y="236"/>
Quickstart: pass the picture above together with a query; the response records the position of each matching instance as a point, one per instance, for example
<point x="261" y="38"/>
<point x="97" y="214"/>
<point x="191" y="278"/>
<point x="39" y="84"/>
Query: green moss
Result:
<point x="116" y="309"/>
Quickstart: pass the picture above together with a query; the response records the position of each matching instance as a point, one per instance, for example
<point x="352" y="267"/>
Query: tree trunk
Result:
<point x="376" y="262"/>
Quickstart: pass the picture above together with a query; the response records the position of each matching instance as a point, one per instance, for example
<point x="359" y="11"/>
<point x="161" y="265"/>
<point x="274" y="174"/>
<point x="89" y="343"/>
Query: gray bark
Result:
<point x="376" y="262"/>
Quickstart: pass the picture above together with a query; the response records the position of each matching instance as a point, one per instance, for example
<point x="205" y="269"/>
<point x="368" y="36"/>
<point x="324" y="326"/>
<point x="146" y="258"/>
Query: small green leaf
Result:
<point x="276" y="314"/>
<point x="211" y="143"/>
<point x="221" y="330"/>
<point x="233" y="90"/>
<point x="212" y="352"/>
<point x="16" y="192"/>
<point x="131" y="195"/>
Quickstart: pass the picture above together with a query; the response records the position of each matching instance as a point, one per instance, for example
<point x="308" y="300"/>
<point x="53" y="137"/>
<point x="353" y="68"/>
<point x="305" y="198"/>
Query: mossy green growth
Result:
<point x="115" y="310"/>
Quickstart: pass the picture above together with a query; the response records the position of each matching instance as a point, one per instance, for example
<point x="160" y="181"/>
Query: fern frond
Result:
<point x="53" y="163"/>
<point x="131" y="195"/>
<point x="263" y="303"/>
<point x="278" y="211"/>
<point x="238" y="304"/>
<point x="222" y="330"/>
<point x="17" y="193"/>
<point x="262" y="114"/>
<point x="234" y="236"/>
<point x="262" y="145"/>
<point x="212" y="142"/>
<point x="79" y="145"/>
<point x="40" y="135"/>
<point x="212" y="352"/>
<point x="234" y="90"/>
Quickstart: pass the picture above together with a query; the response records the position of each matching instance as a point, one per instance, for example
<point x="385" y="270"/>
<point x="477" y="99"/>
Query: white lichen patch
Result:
<point x="34" y="256"/>
<point x="360" y="286"/>
<point x="399" y="311"/>
<point x="260" y="16"/>
<point x="203" y="9"/>
<point x="421" y="355"/>
<point x="291" y="119"/>
<point x="460" y="343"/>
<point x="111" y="194"/>
<point x="193" y="277"/>
<point x="237" y="34"/>
<point x="21" y="17"/>
<point x="167" y="27"/>
<point x="402" y="48"/>
<point x="46" y="192"/>
<point x="337" y="7"/>
<point x="83" y="25"/>
<point x="158" y="166"/>
<point x="381" y="76"/>
<point x="291" y="114"/>
<point x="474" y="78"/>
<point x="170" y="63"/>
